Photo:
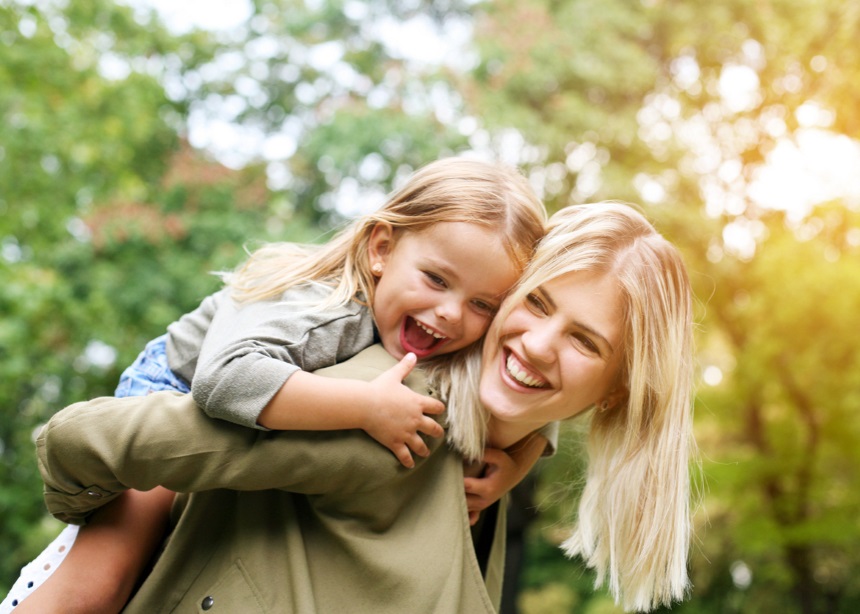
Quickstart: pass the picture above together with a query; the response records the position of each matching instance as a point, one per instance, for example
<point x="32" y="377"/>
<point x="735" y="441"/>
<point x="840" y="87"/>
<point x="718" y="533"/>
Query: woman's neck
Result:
<point x="502" y="435"/>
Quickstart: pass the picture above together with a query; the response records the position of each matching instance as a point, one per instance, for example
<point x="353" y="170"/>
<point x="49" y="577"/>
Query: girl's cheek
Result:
<point x="479" y="329"/>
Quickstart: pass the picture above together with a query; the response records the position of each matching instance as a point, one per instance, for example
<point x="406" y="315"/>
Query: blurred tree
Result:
<point x="680" y="106"/>
<point x="69" y="136"/>
<point x="779" y="422"/>
<point x="109" y="224"/>
<point x="108" y="228"/>
<point x="333" y="98"/>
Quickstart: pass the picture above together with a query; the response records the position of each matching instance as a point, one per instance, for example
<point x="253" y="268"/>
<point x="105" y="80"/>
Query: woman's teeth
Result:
<point x="513" y="367"/>
<point x="429" y="331"/>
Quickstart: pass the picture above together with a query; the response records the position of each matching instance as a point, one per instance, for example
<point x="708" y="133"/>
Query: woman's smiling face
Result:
<point x="556" y="353"/>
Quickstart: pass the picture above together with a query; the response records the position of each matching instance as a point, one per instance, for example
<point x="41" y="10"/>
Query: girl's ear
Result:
<point x="379" y="246"/>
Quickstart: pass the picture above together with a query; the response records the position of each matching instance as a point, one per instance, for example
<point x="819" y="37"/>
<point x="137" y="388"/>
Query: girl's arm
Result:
<point x="387" y="410"/>
<point x="250" y="351"/>
<point x="91" y="451"/>
<point x="503" y="470"/>
<point x="254" y="369"/>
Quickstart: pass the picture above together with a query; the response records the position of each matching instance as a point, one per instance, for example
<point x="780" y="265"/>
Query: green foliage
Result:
<point x="110" y="225"/>
<point x="611" y="95"/>
<point x="102" y="247"/>
<point x="782" y="425"/>
<point x="366" y="150"/>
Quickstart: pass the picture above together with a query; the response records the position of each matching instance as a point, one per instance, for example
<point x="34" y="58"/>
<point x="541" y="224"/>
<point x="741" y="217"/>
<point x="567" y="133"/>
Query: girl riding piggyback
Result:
<point x="423" y="275"/>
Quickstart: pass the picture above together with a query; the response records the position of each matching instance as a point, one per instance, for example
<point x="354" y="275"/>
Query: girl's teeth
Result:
<point x="520" y="375"/>
<point x="428" y="331"/>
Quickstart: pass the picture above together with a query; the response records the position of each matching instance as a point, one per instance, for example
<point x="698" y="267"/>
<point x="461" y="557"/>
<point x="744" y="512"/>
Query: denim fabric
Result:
<point x="150" y="372"/>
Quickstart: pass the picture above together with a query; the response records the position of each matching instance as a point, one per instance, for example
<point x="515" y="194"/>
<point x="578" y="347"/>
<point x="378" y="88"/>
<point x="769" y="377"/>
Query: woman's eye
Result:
<point x="535" y="304"/>
<point x="435" y="279"/>
<point x="587" y="343"/>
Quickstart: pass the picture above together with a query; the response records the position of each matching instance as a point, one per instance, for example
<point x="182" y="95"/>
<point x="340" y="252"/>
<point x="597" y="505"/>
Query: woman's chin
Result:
<point x="500" y="406"/>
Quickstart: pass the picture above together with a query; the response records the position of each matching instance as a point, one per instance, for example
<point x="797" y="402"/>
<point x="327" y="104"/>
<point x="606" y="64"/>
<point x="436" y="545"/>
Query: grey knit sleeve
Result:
<point x="250" y="350"/>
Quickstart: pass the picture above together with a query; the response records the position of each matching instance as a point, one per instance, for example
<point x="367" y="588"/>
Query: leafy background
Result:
<point x="135" y="159"/>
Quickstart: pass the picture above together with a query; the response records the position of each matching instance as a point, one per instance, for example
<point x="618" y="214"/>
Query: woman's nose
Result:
<point x="539" y="343"/>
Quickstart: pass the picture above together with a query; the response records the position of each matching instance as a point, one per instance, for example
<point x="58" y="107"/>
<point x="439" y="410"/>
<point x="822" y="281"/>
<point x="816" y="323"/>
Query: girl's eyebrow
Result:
<point x="548" y="298"/>
<point x="450" y="272"/>
<point x="443" y="265"/>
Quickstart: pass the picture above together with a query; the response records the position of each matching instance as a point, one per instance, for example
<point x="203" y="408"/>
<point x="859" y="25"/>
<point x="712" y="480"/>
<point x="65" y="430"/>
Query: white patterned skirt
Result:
<point x="35" y="573"/>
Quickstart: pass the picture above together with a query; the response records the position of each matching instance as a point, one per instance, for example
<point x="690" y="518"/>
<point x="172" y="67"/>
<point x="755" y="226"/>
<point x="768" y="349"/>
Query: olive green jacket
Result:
<point x="277" y="522"/>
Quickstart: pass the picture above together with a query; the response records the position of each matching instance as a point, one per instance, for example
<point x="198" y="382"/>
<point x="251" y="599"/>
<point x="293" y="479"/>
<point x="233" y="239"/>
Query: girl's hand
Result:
<point x="400" y="414"/>
<point x="501" y="473"/>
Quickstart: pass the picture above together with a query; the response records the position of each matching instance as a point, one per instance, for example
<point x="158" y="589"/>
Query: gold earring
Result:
<point x="603" y="405"/>
<point x="376" y="269"/>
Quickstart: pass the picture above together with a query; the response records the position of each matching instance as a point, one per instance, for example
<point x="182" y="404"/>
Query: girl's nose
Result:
<point x="451" y="311"/>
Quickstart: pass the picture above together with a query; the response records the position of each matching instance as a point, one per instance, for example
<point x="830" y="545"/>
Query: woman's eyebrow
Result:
<point x="548" y="298"/>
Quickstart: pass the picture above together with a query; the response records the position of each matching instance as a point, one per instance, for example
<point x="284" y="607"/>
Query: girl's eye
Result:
<point x="535" y="304"/>
<point x="485" y="307"/>
<point x="435" y="279"/>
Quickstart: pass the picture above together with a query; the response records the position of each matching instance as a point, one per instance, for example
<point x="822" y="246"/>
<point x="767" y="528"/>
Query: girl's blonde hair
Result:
<point x="633" y="523"/>
<point x="492" y="195"/>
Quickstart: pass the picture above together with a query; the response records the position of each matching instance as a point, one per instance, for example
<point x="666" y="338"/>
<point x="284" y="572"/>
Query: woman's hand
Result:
<point x="501" y="473"/>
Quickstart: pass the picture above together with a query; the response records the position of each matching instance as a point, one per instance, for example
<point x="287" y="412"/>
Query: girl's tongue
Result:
<point x="416" y="339"/>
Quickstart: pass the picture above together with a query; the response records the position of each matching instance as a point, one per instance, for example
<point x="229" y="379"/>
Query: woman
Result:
<point x="601" y="319"/>
<point x="606" y="300"/>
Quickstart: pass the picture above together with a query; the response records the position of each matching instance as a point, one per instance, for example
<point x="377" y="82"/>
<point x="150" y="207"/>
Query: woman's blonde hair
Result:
<point x="633" y="525"/>
<point x="457" y="189"/>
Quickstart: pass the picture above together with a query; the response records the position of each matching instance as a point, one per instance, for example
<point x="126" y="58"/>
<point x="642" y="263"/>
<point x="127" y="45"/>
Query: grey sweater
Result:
<point x="237" y="356"/>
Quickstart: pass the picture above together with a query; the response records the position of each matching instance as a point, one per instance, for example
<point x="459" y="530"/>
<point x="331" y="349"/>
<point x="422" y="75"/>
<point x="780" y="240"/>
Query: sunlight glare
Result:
<point x="712" y="375"/>
<point x="815" y="167"/>
<point x="213" y="15"/>
<point x="739" y="87"/>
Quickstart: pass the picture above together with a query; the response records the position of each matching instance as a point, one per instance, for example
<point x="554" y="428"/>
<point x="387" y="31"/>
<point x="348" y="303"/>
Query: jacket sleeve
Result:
<point x="90" y="452"/>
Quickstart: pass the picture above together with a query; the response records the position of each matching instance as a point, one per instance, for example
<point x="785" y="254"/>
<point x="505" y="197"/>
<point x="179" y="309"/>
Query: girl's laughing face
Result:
<point x="438" y="288"/>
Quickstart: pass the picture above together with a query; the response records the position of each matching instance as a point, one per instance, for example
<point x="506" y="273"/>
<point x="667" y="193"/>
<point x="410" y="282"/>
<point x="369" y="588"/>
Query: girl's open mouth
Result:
<point x="420" y="339"/>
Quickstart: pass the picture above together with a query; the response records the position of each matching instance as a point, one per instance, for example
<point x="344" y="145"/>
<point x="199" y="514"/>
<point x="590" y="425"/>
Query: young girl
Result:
<point x="433" y="262"/>
<point x="423" y="275"/>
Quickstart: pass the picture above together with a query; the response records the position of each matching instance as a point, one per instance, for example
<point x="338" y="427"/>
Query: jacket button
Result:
<point x="207" y="602"/>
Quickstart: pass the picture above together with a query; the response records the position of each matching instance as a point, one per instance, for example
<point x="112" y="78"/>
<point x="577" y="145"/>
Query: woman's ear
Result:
<point x="614" y="398"/>
<point x="379" y="247"/>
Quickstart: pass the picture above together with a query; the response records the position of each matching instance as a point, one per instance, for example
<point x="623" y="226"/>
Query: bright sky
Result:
<point x="813" y="166"/>
<point x="183" y="15"/>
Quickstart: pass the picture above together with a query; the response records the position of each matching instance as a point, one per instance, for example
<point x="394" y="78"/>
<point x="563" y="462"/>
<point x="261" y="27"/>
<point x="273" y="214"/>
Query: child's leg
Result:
<point x="107" y="556"/>
<point x="37" y="571"/>
<point x="150" y="373"/>
<point x="102" y="567"/>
